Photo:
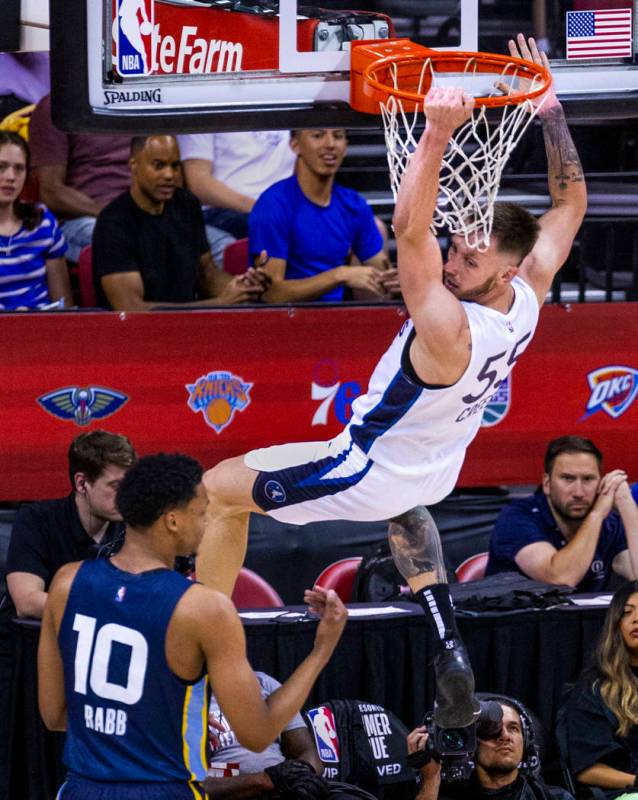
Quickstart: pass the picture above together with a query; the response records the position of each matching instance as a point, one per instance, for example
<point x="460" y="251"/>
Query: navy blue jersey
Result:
<point x="129" y="717"/>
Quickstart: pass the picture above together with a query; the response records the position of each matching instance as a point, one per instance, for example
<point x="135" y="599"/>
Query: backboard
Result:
<point x="188" y="65"/>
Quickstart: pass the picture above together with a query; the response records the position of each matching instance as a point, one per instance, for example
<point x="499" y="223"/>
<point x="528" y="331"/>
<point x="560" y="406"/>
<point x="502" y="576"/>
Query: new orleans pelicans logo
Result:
<point x="218" y="396"/>
<point x="613" y="390"/>
<point x="82" y="405"/>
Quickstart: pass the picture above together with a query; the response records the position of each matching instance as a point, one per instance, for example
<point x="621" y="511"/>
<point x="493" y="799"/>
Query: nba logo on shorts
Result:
<point x="325" y="732"/>
<point x="133" y="32"/>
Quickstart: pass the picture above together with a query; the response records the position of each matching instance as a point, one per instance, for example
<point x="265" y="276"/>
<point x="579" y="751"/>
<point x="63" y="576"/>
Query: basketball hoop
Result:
<point x="393" y="77"/>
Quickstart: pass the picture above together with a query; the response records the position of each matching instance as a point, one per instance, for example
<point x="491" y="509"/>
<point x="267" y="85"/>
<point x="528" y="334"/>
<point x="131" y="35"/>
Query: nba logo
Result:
<point x="325" y="732"/>
<point x="133" y="30"/>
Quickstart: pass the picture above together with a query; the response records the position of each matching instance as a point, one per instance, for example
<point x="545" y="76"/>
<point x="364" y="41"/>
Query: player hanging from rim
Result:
<point x="470" y="320"/>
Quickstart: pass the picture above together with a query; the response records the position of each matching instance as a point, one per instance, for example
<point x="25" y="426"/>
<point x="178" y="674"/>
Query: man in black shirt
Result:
<point x="150" y="247"/>
<point x="85" y="524"/>
<point x="506" y="766"/>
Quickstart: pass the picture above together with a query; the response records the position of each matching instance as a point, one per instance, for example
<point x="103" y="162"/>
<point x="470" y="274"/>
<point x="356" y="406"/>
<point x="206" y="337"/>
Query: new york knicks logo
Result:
<point x="499" y="405"/>
<point x="82" y="405"/>
<point x="325" y="733"/>
<point x="613" y="390"/>
<point x="133" y="32"/>
<point x="218" y="396"/>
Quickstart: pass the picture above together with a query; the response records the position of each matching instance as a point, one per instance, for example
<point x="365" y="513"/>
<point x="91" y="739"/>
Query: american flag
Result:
<point x="599" y="34"/>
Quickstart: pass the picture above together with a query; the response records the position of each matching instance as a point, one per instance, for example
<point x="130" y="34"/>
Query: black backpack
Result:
<point x="362" y="744"/>
<point x="378" y="579"/>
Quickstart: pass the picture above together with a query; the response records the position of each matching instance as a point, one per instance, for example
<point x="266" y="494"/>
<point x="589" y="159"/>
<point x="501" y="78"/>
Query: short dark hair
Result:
<point x="138" y="143"/>
<point x="515" y="228"/>
<point x="155" y="485"/>
<point x="570" y="444"/>
<point x="294" y="133"/>
<point x="91" y="453"/>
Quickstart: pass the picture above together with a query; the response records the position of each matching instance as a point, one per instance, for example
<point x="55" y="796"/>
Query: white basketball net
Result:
<point x="472" y="164"/>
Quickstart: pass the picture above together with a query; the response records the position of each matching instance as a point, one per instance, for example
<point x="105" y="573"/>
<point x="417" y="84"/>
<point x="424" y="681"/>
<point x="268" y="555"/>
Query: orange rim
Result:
<point x="466" y="62"/>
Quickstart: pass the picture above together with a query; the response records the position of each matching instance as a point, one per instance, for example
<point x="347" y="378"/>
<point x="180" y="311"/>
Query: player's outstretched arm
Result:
<point x="437" y="315"/>
<point x="566" y="182"/>
<point x="258" y="722"/>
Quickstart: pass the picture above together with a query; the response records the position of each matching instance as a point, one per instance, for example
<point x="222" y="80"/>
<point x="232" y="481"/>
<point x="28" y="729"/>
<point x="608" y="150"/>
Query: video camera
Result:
<point x="455" y="747"/>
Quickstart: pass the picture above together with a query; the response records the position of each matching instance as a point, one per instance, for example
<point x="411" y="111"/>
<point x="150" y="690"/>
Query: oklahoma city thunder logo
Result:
<point x="218" y="396"/>
<point x="613" y="390"/>
<point x="133" y="33"/>
<point x="82" y="405"/>
<point x="499" y="405"/>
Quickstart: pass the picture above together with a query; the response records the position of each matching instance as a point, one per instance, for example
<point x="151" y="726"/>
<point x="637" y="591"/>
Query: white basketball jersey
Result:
<point x="417" y="430"/>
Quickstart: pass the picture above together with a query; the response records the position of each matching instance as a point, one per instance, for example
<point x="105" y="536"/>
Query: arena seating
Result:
<point x="85" y="279"/>
<point x="340" y="576"/>
<point x="236" y="257"/>
<point x="472" y="568"/>
<point x="252" y="591"/>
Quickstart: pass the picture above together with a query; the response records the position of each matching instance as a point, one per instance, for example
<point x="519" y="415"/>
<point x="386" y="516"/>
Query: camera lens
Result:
<point x="453" y="740"/>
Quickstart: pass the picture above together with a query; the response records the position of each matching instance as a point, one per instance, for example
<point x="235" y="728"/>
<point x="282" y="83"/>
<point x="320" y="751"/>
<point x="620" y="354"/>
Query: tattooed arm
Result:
<point x="566" y="187"/>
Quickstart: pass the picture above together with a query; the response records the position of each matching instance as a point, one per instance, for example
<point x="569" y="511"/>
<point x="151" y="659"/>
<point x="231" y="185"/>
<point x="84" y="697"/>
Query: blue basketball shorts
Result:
<point x="75" y="788"/>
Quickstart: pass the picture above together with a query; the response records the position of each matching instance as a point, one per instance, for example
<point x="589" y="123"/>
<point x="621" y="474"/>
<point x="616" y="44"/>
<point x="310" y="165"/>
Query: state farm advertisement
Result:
<point x="164" y="39"/>
<point x="154" y="37"/>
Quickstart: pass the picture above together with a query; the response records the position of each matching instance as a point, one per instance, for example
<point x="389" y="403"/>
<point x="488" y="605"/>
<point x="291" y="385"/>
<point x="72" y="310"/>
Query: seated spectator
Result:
<point x="149" y="244"/>
<point x="290" y="766"/>
<point x="310" y="226"/>
<point x="567" y="532"/>
<point x="228" y="172"/>
<point x="601" y="711"/>
<point x="33" y="271"/>
<point x="507" y="765"/>
<point x="83" y="525"/>
<point x="78" y="174"/>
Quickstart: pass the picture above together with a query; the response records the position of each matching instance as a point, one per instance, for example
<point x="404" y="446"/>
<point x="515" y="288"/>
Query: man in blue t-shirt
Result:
<point x="309" y="227"/>
<point x="568" y="532"/>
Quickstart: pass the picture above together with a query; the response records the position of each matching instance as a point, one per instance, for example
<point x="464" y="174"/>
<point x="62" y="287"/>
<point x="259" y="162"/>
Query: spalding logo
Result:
<point x="613" y="390"/>
<point x="218" y="395"/>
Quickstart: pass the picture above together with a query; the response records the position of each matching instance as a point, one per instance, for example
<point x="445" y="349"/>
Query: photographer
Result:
<point x="506" y="766"/>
